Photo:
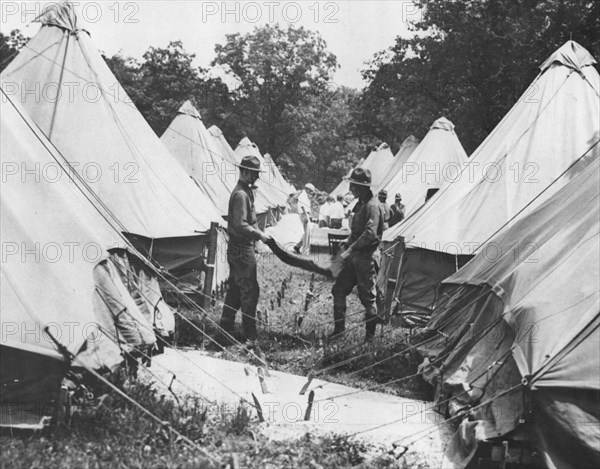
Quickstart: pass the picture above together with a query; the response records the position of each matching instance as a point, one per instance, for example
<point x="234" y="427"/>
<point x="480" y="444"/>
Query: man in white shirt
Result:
<point x="304" y="208"/>
<point x="324" y="212"/>
<point x="337" y="213"/>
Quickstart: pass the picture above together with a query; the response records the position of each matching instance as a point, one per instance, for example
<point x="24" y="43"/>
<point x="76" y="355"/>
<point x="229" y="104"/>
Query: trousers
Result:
<point x="304" y="244"/>
<point x="243" y="290"/>
<point x="359" y="270"/>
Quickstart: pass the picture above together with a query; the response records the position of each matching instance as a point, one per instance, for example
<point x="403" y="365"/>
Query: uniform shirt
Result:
<point x="367" y="224"/>
<point x="241" y="216"/>
<point x="397" y="214"/>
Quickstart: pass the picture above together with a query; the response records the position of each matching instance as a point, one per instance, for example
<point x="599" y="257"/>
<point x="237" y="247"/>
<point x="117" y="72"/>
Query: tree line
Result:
<point x="468" y="61"/>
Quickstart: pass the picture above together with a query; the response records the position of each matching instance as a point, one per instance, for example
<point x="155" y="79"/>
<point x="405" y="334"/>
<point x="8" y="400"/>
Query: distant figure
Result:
<point x="304" y="211"/>
<point x="337" y="213"/>
<point x="397" y="211"/>
<point x="324" y="212"/>
<point x="387" y="211"/>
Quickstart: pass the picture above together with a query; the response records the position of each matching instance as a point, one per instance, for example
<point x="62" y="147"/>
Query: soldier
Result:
<point x="387" y="211"/>
<point x="243" y="291"/>
<point x="360" y="256"/>
<point x="397" y="211"/>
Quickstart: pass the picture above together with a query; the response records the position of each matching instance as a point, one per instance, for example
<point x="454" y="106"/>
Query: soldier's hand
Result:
<point x="265" y="238"/>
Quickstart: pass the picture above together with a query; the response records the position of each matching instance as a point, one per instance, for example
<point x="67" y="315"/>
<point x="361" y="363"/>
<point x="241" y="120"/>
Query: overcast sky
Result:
<point x="354" y="29"/>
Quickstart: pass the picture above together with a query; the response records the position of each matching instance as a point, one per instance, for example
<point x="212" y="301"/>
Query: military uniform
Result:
<point x="397" y="213"/>
<point x="243" y="290"/>
<point x="361" y="267"/>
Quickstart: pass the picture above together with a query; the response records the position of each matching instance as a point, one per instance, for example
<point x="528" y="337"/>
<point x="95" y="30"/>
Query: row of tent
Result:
<point x="211" y="162"/>
<point x="418" y="168"/>
<point x="504" y="260"/>
<point x="94" y="209"/>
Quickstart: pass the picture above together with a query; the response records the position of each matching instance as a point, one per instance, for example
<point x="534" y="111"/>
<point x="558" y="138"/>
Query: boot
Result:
<point x="227" y="325"/>
<point x="339" y="322"/>
<point x="249" y="327"/>
<point x="371" y="321"/>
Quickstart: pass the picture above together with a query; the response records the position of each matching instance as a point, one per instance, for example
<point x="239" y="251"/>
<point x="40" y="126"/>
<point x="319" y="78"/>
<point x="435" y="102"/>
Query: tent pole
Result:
<point x="209" y="266"/>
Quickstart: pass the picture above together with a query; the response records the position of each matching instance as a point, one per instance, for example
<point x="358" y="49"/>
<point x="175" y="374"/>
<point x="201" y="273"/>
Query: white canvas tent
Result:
<point x="264" y="208"/>
<point x="276" y="178"/>
<point x="88" y="116"/>
<point x="203" y="158"/>
<point x="521" y="331"/>
<point x="409" y="145"/>
<point x="194" y="148"/>
<point x="274" y="198"/>
<point x="56" y="273"/>
<point x="380" y="162"/>
<point x="438" y="157"/>
<point x="553" y="124"/>
<point x="225" y="149"/>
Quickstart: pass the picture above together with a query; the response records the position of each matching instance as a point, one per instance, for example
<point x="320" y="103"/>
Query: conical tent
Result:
<point x="409" y="145"/>
<point x="204" y="159"/>
<point x="194" y="148"/>
<point x="85" y="112"/>
<point x="262" y="203"/>
<point x="379" y="162"/>
<point x="519" y="328"/>
<point x="225" y="149"/>
<point x="438" y="157"/>
<point x="54" y="242"/>
<point x="275" y="175"/>
<point x="552" y="125"/>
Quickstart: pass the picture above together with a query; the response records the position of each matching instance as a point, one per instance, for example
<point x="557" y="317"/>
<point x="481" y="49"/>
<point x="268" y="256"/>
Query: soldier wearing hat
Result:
<point x="360" y="255"/>
<point x="387" y="211"/>
<point x="243" y="290"/>
<point x="397" y="210"/>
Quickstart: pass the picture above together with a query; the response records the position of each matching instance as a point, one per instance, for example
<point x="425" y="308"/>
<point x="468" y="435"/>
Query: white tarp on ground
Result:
<point x="288" y="230"/>
<point x="381" y="418"/>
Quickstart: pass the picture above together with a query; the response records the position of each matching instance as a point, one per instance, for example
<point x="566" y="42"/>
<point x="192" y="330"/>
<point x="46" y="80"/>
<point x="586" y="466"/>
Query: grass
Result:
<point x="119" y="435"/>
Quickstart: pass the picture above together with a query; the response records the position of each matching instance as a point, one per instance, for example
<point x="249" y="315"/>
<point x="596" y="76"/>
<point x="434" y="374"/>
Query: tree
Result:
<point x="280" y="73"/>
<point x="10" y="45"/>
<point x="469" y="61"/>
<point x="322" y="140"/>
<point x="164" y="81"/>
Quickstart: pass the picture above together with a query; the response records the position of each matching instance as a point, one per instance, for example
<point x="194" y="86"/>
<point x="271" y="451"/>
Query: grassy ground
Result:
<point x="292" y="337"/>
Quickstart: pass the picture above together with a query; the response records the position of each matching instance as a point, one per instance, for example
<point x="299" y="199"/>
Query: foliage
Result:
<point x="468" y="61"/>
<point x="119" y="434"/>
<point x="10" y="45"/>
<point x="287" y="103"/>
<point x="164" y="80"/>
<point x="321" y="143"/>
<point x="275" y="68"/>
